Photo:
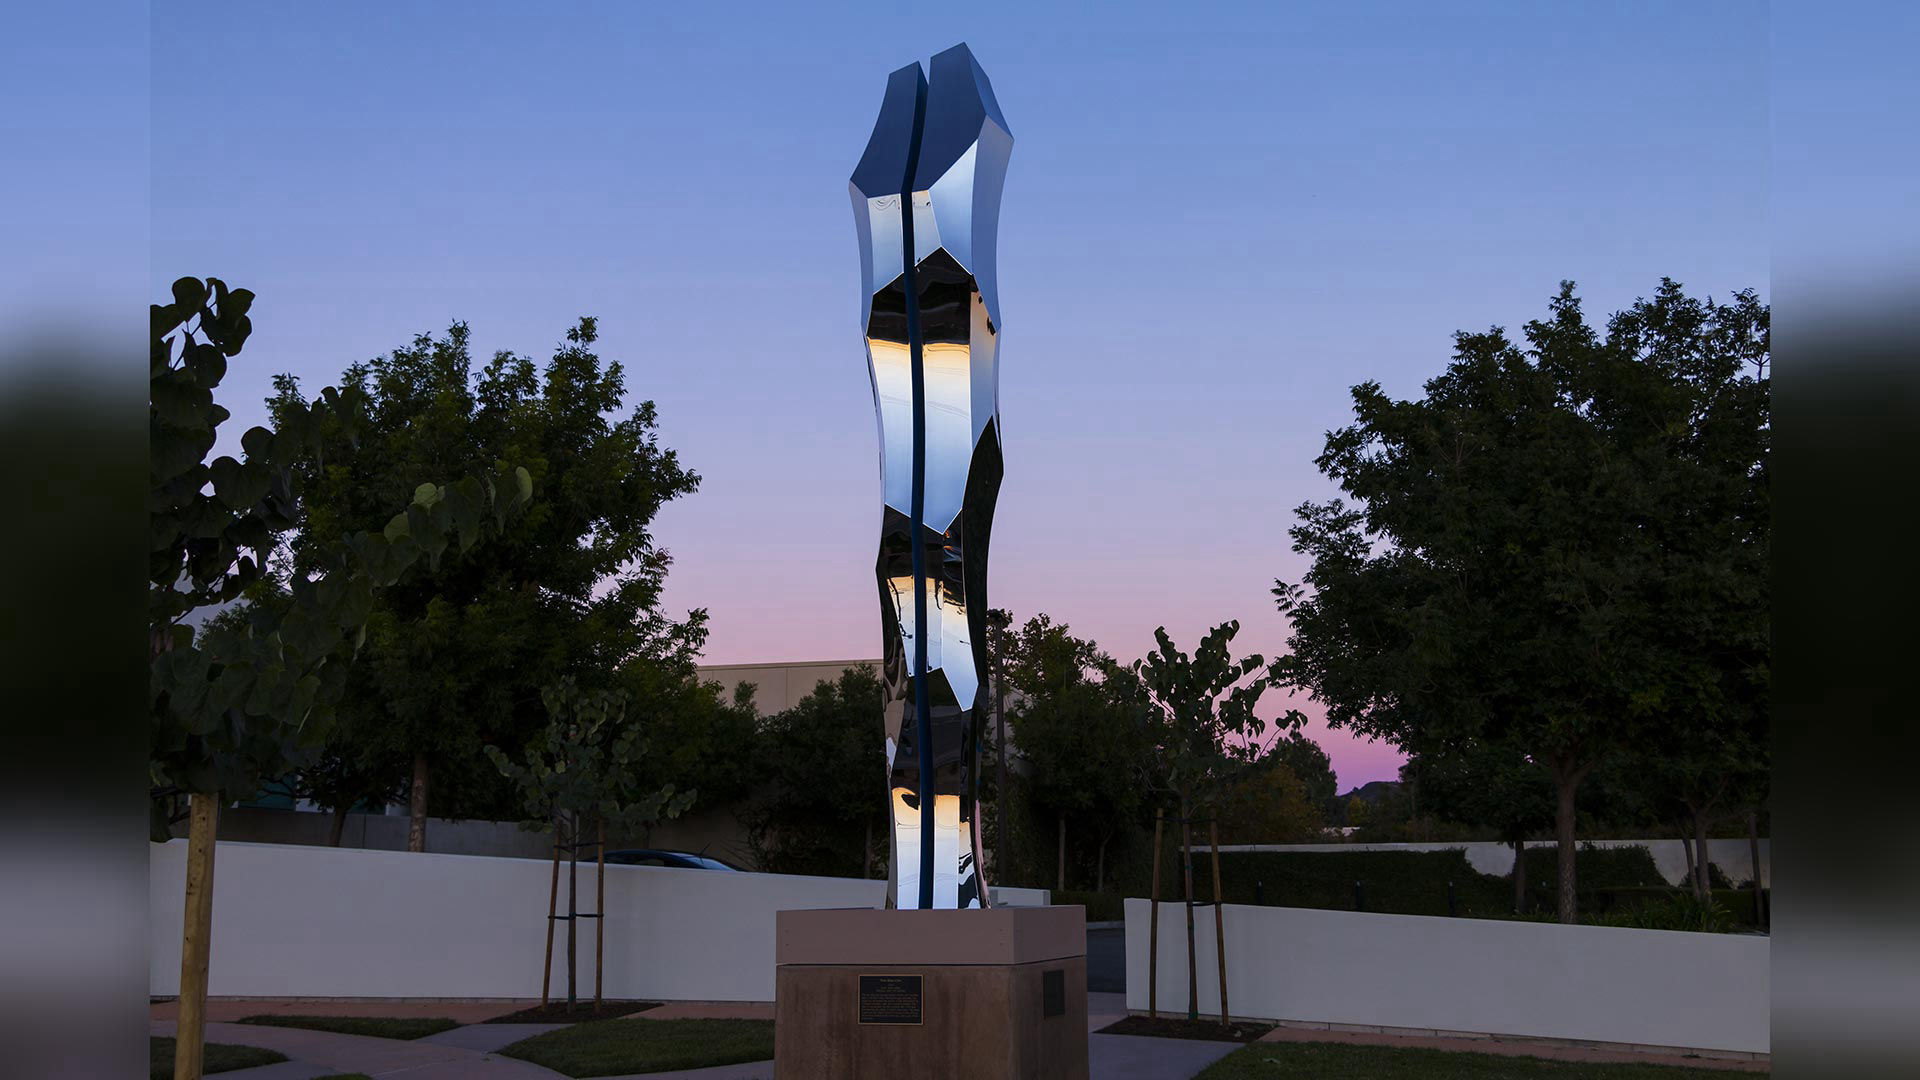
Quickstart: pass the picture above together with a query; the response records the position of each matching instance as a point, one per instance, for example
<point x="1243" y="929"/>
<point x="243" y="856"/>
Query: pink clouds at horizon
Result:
<point x="846" y="628"/>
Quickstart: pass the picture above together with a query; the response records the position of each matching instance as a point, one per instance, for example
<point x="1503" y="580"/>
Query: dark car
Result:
<point x="652" y="857"/>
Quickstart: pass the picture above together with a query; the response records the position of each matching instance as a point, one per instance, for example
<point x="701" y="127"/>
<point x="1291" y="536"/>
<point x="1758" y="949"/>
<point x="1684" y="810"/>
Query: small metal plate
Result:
<point x="892" y="999"/>
<point x="1053" y="993"/>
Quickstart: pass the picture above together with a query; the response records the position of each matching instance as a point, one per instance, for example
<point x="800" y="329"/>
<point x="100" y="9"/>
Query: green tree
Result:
<point x="702" y="734"/>
<point x="822" y="784"/>
<point x="1527" y="534"/>
<point x="347" y="775"/>
<point x="251" y="695"/>
<point x="1266" y="803"/>
<point x="1084" y="745"/>
<point x="457" y="660"/>
<point x="579" y="777"/>
<point x="1309" y="764"/>
<point x="1491" y="784"/>
<point x="1200" y="722"/>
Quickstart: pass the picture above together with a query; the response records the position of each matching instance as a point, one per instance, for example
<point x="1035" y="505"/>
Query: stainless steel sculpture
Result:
<point x="931" y="316"/>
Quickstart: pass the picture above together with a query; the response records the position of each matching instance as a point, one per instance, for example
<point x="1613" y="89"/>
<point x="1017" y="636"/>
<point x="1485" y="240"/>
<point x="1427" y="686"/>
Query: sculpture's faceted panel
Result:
<point x="932" y="334"/>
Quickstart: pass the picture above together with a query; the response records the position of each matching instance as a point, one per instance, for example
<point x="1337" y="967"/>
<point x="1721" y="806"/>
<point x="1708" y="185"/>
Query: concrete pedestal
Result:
<point x="999" y="994"/>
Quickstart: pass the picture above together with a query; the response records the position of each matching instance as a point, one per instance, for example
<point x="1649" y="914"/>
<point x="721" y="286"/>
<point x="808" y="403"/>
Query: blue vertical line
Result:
<point x="922" y="706"/>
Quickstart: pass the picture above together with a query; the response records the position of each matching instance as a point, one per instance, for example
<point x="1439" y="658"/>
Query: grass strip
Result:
<point x="614" y="1047"/>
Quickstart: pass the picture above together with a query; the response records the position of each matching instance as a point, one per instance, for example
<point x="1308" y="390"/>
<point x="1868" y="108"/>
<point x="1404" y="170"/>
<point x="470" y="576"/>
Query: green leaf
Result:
<point x="190" y="294"/>
<point x="256" y="442"/>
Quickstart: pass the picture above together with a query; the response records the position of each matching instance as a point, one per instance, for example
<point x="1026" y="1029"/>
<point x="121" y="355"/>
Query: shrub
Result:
<point x="1679" y="911"/>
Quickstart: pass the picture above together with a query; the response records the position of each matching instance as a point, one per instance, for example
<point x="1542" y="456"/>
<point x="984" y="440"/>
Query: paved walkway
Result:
<point x="229" y="1009"/>
<point x="488" y="1038"/>
<point x="1140" y="1057"/>
<point x="469" y="1051"/>
<point x="1143" y="1057"/>
<point x="1513" y="1048"/>
<point x="317" y="1053"/>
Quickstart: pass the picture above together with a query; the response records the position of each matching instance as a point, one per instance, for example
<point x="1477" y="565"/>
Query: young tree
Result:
<point x="1200" y="721"/>
<point x="458" y="659"/>
<point x="578" y="778"/>
<point x="1528" y="532"/>
<point x="252" y="695"/>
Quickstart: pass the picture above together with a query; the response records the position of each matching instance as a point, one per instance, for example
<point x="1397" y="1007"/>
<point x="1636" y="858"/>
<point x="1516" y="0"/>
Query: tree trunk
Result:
<point x="1566" y="781"/>
<point x="1100" y="865"/>
<point x="1001" y="828"/>
<point x="339" y="825"/>
<point x="1753" y="853"/>
<point x="190" y="1036"/>
<point x="417" y="806"/>
<point x="1193" y="961"/>
<point x="1520" y="877"/>
<point x="1702" y="875"/>
<point x="1062" y="853"/>
<point x="1686" y="852"/>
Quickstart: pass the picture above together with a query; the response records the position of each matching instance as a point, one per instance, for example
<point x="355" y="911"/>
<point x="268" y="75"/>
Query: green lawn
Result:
<point x="216" y="1057"/>
<point x="613" y="1047"/>
<point x="1342" y="1061"/>
<point x="379" y="1027"/>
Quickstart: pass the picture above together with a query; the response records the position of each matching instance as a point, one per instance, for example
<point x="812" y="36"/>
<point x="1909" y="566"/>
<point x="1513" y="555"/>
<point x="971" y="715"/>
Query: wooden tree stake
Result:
<point x="553" y="908"/>
<point x="1186" y="865"/>
<point x="1153" y="923"/>
<point x="1219" y="925"/>
<point x="191" y="1034"/>
<point x="600" y="921"/>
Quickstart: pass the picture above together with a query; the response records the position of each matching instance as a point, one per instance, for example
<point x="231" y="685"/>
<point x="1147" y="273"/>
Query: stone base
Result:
<point x="1002" y="994"/>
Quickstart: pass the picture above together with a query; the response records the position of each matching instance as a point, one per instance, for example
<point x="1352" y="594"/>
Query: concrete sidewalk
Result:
<point x="1513" y="1047"/>
<point x="318" y="1053"/>
<point x="230" y="1009"/>
<point x="467" y="1051"/>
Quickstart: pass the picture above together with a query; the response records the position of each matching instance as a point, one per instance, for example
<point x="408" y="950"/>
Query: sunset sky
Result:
<point x="1212" y="228"/>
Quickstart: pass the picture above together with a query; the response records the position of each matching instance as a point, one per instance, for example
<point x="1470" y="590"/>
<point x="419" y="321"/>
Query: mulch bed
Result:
<point x="1167" y="1027"/>
<point x="557" y="1012"/>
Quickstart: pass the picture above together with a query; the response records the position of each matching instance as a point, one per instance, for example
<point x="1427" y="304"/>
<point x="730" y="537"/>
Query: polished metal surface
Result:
<point x="930" y="312"/>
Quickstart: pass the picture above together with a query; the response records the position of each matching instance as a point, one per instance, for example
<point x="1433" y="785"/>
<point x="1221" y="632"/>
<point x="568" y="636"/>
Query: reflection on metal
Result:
<point x="930" y="309"/>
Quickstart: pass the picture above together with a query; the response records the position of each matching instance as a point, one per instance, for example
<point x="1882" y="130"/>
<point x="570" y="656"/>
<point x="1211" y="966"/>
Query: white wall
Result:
<point x="1486" y="976"/>
<point x="295" y="921"/>
<point x="1733" y="857"/>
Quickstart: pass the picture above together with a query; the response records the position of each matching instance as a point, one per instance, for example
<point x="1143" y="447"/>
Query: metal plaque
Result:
<point x="891" y="999"/>
<point x="1053" y="993"/>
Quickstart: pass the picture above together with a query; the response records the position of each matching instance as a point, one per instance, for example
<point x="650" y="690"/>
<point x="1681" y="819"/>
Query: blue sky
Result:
<point x="1215" y="222"/>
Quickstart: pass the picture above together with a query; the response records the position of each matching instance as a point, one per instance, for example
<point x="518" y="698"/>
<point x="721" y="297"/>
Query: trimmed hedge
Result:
<point x="1400" y="882"/>
<point x="1101" y="907"/>
<point x="1597" y="868"/>
<point x="1614" y="883"/>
